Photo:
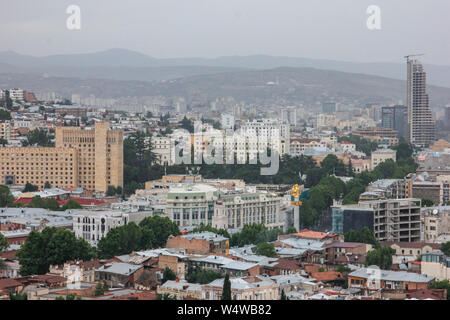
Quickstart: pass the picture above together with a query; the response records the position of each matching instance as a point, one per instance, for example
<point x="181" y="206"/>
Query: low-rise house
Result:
<point x="346" y="252"/>
<point x="409" y="251"/>
<point x="200" y="243"/>
<point x="77" y="271"/>
<point x="244" y="288"/>
<point x="375" y="279"/>
<point x="181" y="289"/>
<point x="331" y="278"/>
<point x="295" y="283"/>
<point x="436" y="264"/>
<point x="118" y="274"/>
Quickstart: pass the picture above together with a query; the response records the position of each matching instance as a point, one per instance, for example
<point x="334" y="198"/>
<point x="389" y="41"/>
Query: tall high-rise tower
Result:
<point x="421" y="125"/>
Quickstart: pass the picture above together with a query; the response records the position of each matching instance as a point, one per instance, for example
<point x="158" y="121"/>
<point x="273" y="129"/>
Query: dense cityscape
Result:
<point x="195" y="179"/>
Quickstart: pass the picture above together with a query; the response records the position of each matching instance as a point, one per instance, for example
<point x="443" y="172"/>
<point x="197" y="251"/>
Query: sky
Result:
<point x="321" y="29"/>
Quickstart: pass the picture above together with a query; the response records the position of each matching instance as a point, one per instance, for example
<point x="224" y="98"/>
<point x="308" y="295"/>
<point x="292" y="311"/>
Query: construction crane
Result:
<point x="413" y="55"/>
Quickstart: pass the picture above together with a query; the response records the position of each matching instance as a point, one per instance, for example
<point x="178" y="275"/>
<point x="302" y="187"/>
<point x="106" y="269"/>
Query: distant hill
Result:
<point x="122" y="64"/>
<point x="278" y="86"/>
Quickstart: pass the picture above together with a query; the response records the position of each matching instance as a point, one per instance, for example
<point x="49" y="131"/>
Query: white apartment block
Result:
<point x="16" y="94"/>
<point x="95" y="225"/>
<point x="162" y="148"/>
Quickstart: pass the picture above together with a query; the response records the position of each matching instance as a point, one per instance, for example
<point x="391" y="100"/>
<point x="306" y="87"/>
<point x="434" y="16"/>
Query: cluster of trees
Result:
<point x="6" y="198"/>
<point x="265" y="249"/>
<point x="55" y="246"/>
<point x="254" y="234"/>
<point x="152" y="232"/>
<point x="361" y="144"/>
<point x="363" y="236"/>
<point x="202" y="276"/>
<point x="100" y="289"/>
<point x="5" y="115"/>
<point x="50" y="204"/>
<point x="324" y="187"/>
<point x="39" y="137"/>
<point x="138" y="161"/>
<point x="50" y="247"/>
<point x="112" y="191"/>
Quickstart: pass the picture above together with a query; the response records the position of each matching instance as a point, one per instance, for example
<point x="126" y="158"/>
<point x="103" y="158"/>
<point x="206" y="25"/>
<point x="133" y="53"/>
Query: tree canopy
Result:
<point x="52" y="246"/>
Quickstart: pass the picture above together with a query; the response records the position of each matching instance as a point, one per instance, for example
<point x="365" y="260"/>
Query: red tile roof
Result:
<point x="327" y="276"/>
<point x="9" y="283"/>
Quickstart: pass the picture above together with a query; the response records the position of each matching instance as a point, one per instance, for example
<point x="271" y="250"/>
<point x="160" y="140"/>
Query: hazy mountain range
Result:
<point x="121" y="64"/>
<point x="264" y="80"/>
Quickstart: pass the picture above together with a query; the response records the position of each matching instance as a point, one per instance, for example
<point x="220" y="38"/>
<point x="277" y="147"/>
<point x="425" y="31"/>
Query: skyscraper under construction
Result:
<point x="421" y="125"/>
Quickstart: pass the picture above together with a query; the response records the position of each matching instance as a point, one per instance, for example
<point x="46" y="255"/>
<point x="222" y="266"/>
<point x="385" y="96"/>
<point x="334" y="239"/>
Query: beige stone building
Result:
<point x="91" y="159"/>
<point x="100" y="154"/>
<point x="381" y="155"/>
<point x="37" y="165"/>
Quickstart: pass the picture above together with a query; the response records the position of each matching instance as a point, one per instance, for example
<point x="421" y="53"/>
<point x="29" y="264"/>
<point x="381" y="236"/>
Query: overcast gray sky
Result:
<point x="323" y="29"/>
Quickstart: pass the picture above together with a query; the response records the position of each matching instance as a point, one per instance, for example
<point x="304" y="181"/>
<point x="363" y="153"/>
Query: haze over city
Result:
<point x="327" y="29"/>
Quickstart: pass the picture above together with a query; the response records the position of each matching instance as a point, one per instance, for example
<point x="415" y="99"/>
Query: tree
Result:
<point x="3" y="242"/>
<point x="100" y="289"/>
<point x="313" y="176"/>
<point x="71" y="204"/>
<point x="226" y="292"/>
<point x="202" y="276"/>
<point x="381" y="257"/>
<point x="332" y="165"/>
<point x="445" y="248"/>
<point x="265" y="249"/>
<point x="38" y="137"/>
<point x="30" y="188"/>
<point x="187" y="124"/>
<point x="168" y="275"/>
<point x="161" y="227"/>
<point x="121" y="240"/>
<point x="443" y="284"/>
<point x="6" y="198"/>
<point x="47" y="185"/>
<point x="18" y="296"/>
<point x="5" y="115"/>
<point x="111" y="191"/>
<point x="52" y="246"/>
<point x="363" y="236"/>
<point x="427" y="202"/>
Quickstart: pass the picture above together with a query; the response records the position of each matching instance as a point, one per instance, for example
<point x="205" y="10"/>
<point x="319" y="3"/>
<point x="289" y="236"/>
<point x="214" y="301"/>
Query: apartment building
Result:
<point x="162" y="148"/>
<point x="16" y="94"/>
<point x="191" y="204"/>
<point x="381" y="155"/>
<point x="38" y="165"/>
<point x="378" y="134"/>
<point x="235" y="210"/>
<point x="95" y="225"/>
<point x="389" y="219"/>
<point x="436" y="224"/>
<point x="91" y="159"/>
<point x="100" y="154"/>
